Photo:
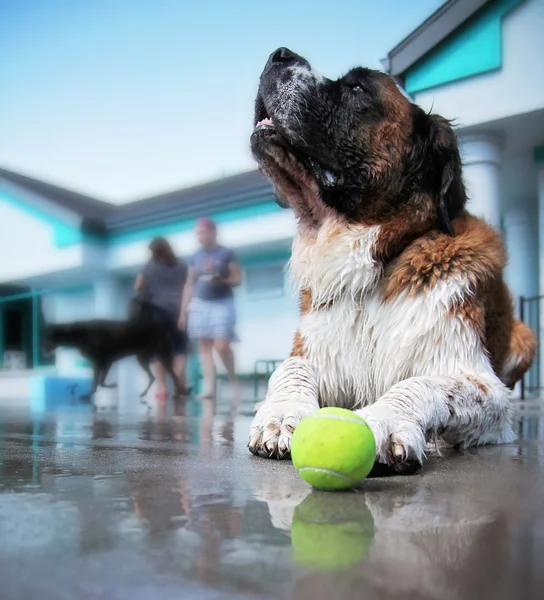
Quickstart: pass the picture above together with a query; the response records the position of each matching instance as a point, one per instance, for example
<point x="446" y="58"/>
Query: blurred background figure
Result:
<point x="208" y="309"/>
<point x="161" y="284"/>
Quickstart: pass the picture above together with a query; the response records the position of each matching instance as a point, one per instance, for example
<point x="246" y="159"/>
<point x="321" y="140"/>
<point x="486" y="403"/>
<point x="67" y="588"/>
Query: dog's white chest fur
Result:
<point x="361" y="345"/>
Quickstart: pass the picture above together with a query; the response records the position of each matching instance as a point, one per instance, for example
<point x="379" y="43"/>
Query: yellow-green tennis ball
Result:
<point x="331" y="531"/>
<point x="333" y="449"/>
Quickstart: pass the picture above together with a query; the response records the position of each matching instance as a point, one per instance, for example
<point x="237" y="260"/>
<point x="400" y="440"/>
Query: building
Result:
<point x="479" y="62"/>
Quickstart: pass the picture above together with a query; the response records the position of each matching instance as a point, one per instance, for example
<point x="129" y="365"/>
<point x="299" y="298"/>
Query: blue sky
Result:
<point x="125" y="98"/>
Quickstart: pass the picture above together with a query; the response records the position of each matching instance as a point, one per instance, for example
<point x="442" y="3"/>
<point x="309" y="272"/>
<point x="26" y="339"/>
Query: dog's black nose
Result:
<point x="283" y="55"/>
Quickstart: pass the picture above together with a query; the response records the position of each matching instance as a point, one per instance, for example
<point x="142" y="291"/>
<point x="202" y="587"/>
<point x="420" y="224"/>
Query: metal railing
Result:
<point x="34" y="296"/>
<point x="529" y="313"/>
<point x="34" y="315"/>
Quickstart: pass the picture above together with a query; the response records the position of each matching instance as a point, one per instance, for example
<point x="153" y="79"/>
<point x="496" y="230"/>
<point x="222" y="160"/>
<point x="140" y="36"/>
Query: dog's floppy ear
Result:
<point x="452" y="196"/>
<point x="439" y="163"/>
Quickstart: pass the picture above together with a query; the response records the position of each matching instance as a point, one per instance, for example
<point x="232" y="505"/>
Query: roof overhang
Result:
<point x="429" y="34"/>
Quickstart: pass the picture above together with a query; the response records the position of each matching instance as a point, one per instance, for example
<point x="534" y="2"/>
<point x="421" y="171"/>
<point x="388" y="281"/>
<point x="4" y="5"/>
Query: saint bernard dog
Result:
<point x="405" y="317"/>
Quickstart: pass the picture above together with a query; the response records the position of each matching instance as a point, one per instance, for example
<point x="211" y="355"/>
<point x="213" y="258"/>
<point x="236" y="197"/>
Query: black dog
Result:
<point x="103" y="342"/>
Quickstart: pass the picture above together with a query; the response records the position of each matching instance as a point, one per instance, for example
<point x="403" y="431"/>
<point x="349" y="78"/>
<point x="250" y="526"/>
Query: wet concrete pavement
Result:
<point x="130" y="507"/>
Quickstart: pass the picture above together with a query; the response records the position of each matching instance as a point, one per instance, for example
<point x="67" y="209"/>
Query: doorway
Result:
<point x="16" y="329"/>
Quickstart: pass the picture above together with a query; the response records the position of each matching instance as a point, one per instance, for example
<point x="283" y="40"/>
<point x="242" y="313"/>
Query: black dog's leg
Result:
<point x="144" y="363"/>
<point x="94" y="385"/>
<point x="167" y="359"/>
<point x="103" y="375"/>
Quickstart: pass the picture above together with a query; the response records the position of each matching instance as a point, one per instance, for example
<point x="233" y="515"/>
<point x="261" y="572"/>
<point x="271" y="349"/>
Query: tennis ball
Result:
<point x="331" y="531"/>
<point x="333" y="449"/>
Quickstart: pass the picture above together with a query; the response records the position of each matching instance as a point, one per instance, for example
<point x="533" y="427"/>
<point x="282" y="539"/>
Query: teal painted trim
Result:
<point x="265" y="258"/>
<point x="23" y="296"/>
<point x="38" y="293"/>
<point x="35" y="331"/>
<point x="83" y="364"/>
<point x="64" y="234"/>
<point x="69" y="236"/>
<point x="538" y="154"/>
<point x="256" y="210"/>
<point x="35" y="450"/>
<point x="194" y="371"/>
<point x="474" y="48"/>
<point x="37" y="393"/>
<point x="1" y="335"/>
<point x="79" y="289"/>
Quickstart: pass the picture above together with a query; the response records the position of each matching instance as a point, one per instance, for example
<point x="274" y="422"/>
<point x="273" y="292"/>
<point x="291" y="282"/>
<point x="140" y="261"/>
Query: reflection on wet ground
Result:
<point x="173" y="506"/>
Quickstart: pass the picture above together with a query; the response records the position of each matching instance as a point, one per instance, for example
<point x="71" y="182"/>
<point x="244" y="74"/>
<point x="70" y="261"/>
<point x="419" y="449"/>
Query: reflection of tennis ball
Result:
<point x="331" y="531"/>
<point x="333" y="449"/>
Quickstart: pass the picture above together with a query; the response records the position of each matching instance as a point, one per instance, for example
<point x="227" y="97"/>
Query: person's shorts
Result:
<point x="212" y="319"/>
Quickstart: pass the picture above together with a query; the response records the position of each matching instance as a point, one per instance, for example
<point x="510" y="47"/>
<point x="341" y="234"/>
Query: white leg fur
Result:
<point x="292" y="395"/>
<point x="468" y="410"/>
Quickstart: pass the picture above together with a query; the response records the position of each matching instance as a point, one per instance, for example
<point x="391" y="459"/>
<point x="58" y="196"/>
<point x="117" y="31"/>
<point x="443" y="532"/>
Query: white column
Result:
<point x="481" y="155"/>
<point x="520" y="233"/>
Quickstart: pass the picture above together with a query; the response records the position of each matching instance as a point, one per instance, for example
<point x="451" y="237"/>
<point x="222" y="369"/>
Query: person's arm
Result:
<point x="139" y="284"/>
<point x="188" y="289"/>
<point x="234" y="277"/>
<point x="235" y="274"/>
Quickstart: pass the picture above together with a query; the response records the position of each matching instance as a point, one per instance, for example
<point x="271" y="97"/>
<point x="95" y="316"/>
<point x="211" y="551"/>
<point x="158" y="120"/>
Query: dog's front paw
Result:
<point x="273" y="427"/>
<point x="292" y="395"/>
<point x="400" y="442"/>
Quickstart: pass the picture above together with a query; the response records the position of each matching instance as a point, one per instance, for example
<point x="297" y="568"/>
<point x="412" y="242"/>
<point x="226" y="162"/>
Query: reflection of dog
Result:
<point x="405" y="316"/>
<point x="103" y="342"/>
<point x="390" y="543"/>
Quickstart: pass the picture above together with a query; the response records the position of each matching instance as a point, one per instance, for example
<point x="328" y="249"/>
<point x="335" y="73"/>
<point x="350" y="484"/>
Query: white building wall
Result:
<point x="266" y="325"/>
<point x="28" y="247"/>
<point x="515" y="89"/>
<point x="70" y="306"/>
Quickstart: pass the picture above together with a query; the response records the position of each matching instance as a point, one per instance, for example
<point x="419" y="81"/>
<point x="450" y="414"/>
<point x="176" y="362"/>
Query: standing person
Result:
<point x="208" y="303"/>
<point x="161" y="282"/>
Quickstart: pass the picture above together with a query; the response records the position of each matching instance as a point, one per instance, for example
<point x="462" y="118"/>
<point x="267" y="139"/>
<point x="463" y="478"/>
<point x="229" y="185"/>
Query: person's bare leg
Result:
<point x="205" y="348"/>
<point x="224" y="349"/>
<point x="160" y="374"/>
<point x="180" y="363"/>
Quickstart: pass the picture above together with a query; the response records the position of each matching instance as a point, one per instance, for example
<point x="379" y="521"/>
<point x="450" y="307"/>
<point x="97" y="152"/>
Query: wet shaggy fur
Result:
<point x="405" y="316"/>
